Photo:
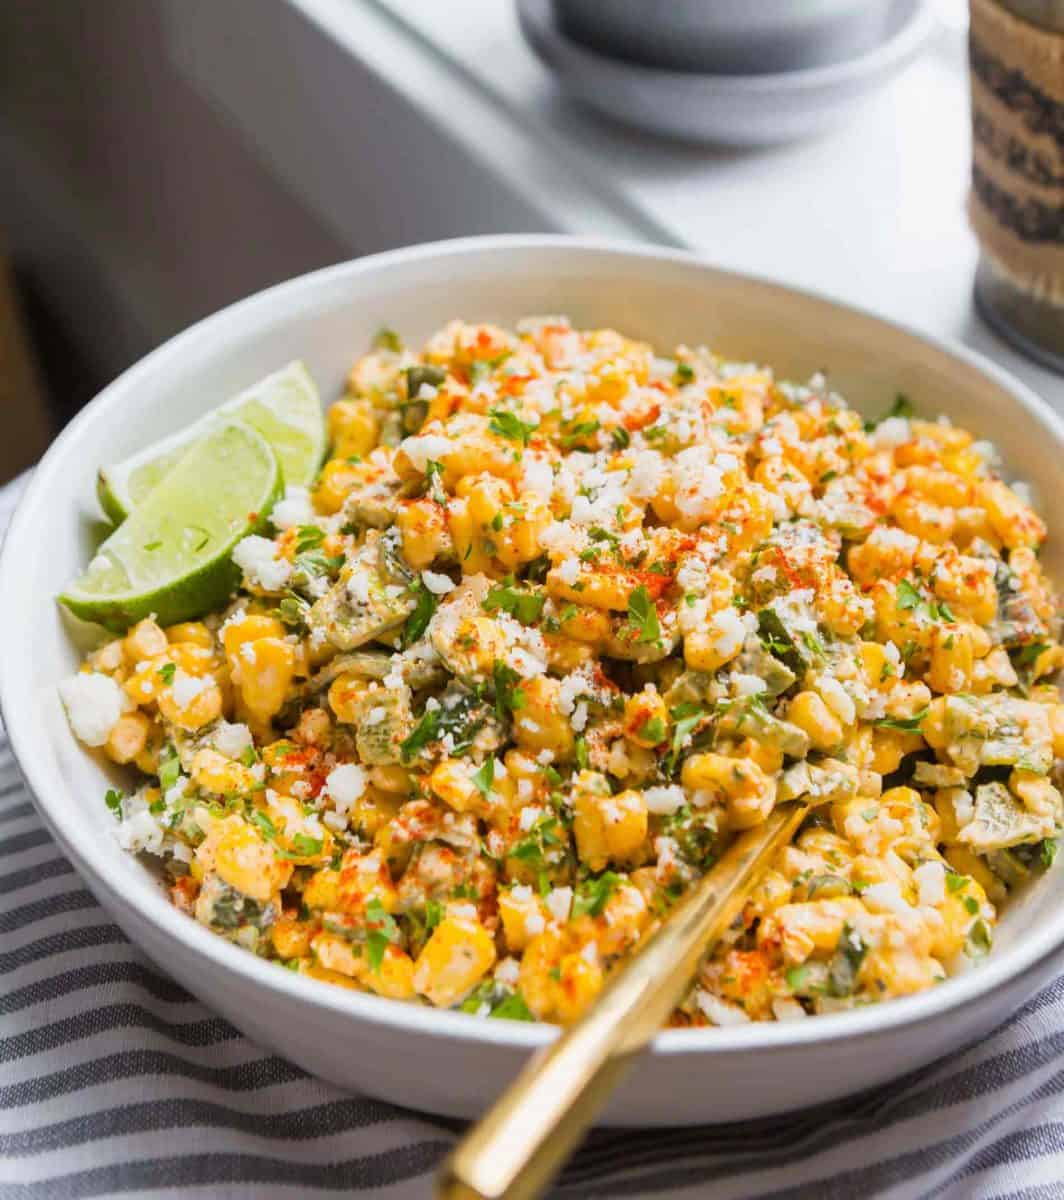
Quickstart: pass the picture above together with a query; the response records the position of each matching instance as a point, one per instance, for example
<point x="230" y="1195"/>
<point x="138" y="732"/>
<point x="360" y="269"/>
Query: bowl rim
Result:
<point x="141" y="896"/>
<point x="538" y="22"/>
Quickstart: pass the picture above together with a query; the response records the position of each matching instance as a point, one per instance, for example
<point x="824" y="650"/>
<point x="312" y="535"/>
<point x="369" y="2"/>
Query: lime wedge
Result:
<point x="171" y="556"/>
<point x="284" y="407"/>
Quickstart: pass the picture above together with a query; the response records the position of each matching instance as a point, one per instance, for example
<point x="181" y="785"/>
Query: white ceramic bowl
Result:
<point x="728" y="110"/>
<point x="726" y="37"/>
<point x="444" y="1061"/>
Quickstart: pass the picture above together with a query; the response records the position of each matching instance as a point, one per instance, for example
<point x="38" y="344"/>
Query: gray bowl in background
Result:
<point x="725" y="37"/>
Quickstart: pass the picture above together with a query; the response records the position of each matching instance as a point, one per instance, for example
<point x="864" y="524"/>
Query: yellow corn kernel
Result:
<point x="247" y="863"/>
<point x="598" y="589"/>
<point x="456" y="957"/>
<point x="523" y="915"/>
<point x="364" y="878"/>
<point x="395" y="976"/>
<point x="108" y="658"/>
<point x="809" y="712"/>
<point x="930" y="522"/>
<point x="145" y="640"/>
<point x="323" y="890"/>
<point x="889" y="747"/>
<point x="148" y="759"/>
<point x="337" y="478"/>
<point x="1013" y="521"/>
<point x="748" y="793"/>
<point x="267" y="666"/>
<point x="539" y="724"/>
<point x="353" y="428"/>
<point x="900" y="974"/>
<point x="291" y="938"/>
<point x="451" y="780"/>
<point x="950" y="668"/>
<point x="967" y="862"/>
<point x="585" y="624"/>
<point x="193" y="632"/>
<point x="646" y="718"/>
<point x="423" y="525"/>
<point x="333" y="978"/>
<point x="345" y="695"/>
<point x="199" y="710"/>
<point x="622" y="921"/>
<point x="248" y="628"/>
<point x="128" y="737"/>
<point x="608" y="828"/>
<point x="215" y="773"/>
<point x="579" y="982"/>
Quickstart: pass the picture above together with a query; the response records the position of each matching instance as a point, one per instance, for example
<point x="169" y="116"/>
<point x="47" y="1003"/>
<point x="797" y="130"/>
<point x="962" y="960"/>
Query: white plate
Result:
<point x="444" y="1061"/>
<point x="730" y="110"/>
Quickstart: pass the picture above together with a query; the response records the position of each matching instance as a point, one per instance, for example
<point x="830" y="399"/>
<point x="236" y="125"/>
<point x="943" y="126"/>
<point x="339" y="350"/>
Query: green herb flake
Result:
<point x="418" y="621"/>
<point x="381" y="930"/>
<point x="306" y="847"/>
<point x="593" y="894"/>
<point x="169" y="768"/>
<point x="904" y="724"/>
<point x="484" y="777"/>
<point x="643" y="616"/>
<point x="113" y="800"/>
<point x="387" y="339"/>
<point x="683" y="374"/>
<point x="167" y="672"/>
<point x="523" y="604"/>
<point x="508" y="425"/>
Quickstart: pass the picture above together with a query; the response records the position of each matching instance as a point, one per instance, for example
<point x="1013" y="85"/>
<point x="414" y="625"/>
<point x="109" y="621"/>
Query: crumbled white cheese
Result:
<point x="424" y="448"/>
<point x="569" y="571"/>
<point x="186" y="688"/>
<point x="93" y="705"/>
<point x="931" y="882"/>
<point x="345" y="784"/>
<point x="231" y="739"/>
<point x="437" y="583"/>
<point x="508" y="972"/>
<point x="559" y="901"/>
<point x="748" y="685"/>
<point x="886" y="897"/>
<point x="729" y="632"/>
<point x="295" y="509"/>
<point x="894" y="431"/>
<point x="257" y="558"/>
<point x="719" y="1011"/>
<point x="664" y="800"/>
<point x="537" y="477"/>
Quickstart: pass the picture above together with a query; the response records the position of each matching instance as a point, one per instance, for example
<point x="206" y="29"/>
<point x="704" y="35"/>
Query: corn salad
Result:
<point x="560" y="616"/>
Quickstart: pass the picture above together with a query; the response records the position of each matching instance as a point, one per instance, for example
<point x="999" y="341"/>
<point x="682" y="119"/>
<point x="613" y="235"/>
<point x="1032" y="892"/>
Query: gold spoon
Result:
<point x="520" y="1144"/>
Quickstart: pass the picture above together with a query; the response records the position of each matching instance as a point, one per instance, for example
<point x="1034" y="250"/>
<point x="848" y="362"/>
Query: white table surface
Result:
<point x="872" y="214"/>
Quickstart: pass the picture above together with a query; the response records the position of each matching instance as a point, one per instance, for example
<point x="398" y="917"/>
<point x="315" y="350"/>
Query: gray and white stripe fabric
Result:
<point x="115" y="1082"/>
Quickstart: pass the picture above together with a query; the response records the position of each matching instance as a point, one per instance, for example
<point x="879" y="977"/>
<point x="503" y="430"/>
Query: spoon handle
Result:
<point x="519" y="1145"/>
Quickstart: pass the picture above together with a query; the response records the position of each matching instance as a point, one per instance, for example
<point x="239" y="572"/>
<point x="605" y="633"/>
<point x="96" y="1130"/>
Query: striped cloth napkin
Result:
<point x="115" y="1082"/>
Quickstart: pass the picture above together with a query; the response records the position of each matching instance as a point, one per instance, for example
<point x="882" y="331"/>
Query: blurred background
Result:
<point x="162" y="158"/>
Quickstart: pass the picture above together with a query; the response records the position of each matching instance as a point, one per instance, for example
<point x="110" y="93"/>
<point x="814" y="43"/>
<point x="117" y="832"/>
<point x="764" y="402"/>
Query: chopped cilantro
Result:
<point x="484" y="777"/>
<point x="643" y="616"/>
<point x="169" y="768"/>
<point x="508" y="696"/>
<point x="308" y="537"/>
<point x="653" y="731"/>
<point x="904" y="724"/>
<point x="513" y="1008"/>
<point x="594" y="893"/>
<point x="418" y="621"/>
<point x="304" y="846"/>
<point x="113" y="800"/>
<point x="433" y="914"/>
<point x="684" y="373"/>
<point x="621" y="438"/>
<point x="521" y="603"/>
<point x="166" y="672"/>
<point x="1048" y="851"/>
<point x="380" y="930"/>
<point x="509" y="425"/>
<point x="387" y="339"/>
<point x="580" y="745"/>
<point x="421" y="735"/>
<point x="907" y="597"/>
